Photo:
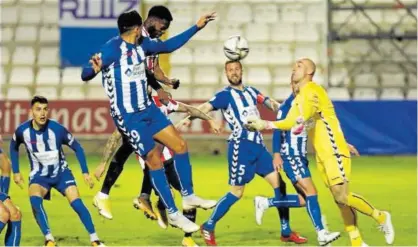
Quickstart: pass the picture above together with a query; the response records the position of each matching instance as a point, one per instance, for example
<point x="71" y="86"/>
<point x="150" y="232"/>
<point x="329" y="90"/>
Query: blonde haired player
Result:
<point x="313" y="110"/>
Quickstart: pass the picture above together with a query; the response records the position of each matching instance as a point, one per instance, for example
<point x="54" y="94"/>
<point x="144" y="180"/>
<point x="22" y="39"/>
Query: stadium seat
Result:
<point x="27" y="34"/>
<point x="281" y="93"/>
<point x="23" y="55"/>
<point x="338" y="93"/>
<point x="21" y="76"/>
<point x="6" y="34"/>
<point x="293" y="13"/>
<point x="72" y="93"/>
<point x="306" y="33"/>
<point x="50" y="13"/>
<point x="31" y="2"/>
<point x="392" y="94"/>
<point x="30" y="15"/>
<point x="393" y="79"/>
<point x="282" y="76"/>
<point x="49" y="34"/>
<point x="342" y="16"/>
<point x="48" y="76"/>
<point x="181" y="27"/>
<point x="181" y="93"/>
<point x="412" y="80"/>
<point x="282" y="32"/>
<point x="339" y="77"/>
<point x="280" y="54"/>
<point x="182" y="12"/>
<point x="239" y="13"/>
<point x="258" y="54"/>
<point x="259" y="76"/>
<point x="412" y="94"/>
<point x="72" y="76"/>
<point x="203" y="93"/>
<point x="208" y="54"/>
<point x="365" y="94"/>
<point x="48" y="92"/>
<point x="319" y="76"/>
<point x="366" y="80"/>
<point x="5" y="56"/>
<point x="393" y="15"/>
<point x="316" y="13"/>
<point x="257" y="32"/>
<point x="227" y="30"/>
<point x="306" y="51"/>
<point x="266" y="13"/>
<point x="97" y="81"/>
<point x="18" y="93"/>
<point x="48" y="56"/>
<point x="206" y="75"/>
<point x="183" y="56"/>
<point x="183" y="73"/>
<point x="209" y="33"/>
<point x="96" y="93"/>
<point x="205" y="7"/>
<point x="9" y="15"/>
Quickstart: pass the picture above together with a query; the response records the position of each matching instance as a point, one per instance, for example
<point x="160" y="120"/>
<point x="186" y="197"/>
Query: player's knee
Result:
<point x="340" y="198"/>
<point x="15" y="214"/>
<point x="238" y="192"/>
<point x="4" y="215"/>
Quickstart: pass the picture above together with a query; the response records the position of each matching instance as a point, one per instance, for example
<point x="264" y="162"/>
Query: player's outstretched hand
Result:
<point x="88" y="180"/>
<point x="96" y="63"/>
<point x="174" y="83"/>
<point x="353" y="150"/>
<point x="17" y="177"/>
<point x="205" y="19"/>
<point x="164" y="96"/>
<point x="278" y="162"/>
<point x="255" y="124"/>
<point x="98" y="173"/>
<point x="216" y="128"/>
<point x="183" y="124"/>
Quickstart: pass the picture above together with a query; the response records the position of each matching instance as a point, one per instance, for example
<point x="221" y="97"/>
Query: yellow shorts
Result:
<point x="334" y="170"/>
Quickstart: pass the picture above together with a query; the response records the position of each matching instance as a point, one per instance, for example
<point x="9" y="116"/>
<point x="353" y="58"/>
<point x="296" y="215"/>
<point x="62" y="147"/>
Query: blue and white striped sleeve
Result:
<point x="68" y="139"/>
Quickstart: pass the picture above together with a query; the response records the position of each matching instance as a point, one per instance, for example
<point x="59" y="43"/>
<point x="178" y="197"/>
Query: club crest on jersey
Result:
<point x="128" y="72"/>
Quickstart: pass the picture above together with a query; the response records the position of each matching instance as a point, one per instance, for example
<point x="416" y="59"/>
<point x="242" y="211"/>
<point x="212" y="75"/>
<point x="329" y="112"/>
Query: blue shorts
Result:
<point x="61" y="182"/>
<point x="296" y="167"/>
<point x="3" y="197"/>
<point x="140" y="127"/>
<point x="245" y="159"/>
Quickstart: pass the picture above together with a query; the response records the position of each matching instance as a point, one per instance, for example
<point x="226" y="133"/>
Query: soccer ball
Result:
<point x="236" y="48"/>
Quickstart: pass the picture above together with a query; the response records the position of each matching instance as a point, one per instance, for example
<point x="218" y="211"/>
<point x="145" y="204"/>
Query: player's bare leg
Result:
<point x="78" y="206"/>
<point x="160" y="184"/>
<point x="307" y="188"/>
<point x="342" y="195"/>
<point x="14" y="228"/>
<point x="36" y="194"/>
<point x="170" y="138"/>
<point x="224" y="204"/>
<point x="4" y="216"/>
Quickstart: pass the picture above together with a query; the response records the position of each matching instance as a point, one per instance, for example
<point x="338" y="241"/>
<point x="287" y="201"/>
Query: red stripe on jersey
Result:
<point x="157" y="101"/>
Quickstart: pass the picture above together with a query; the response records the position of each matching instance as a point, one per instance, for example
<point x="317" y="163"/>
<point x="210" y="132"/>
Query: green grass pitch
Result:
<point x="389" y="183"/>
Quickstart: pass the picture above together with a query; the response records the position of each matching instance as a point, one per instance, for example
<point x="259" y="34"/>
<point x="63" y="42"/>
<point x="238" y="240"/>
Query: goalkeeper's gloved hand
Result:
<point x="256" y="124"/>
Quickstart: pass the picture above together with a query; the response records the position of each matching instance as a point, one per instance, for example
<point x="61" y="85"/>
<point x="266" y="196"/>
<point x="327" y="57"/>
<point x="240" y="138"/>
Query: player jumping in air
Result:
<point x="247" y="154"/>
<point x="167" y="158"/>
<point x="43" y="139"/>
<point x="121" y="61"/>
<point x="313" y="110"/>
<point x="9" y="214"/>
<point x="158" y="21"/>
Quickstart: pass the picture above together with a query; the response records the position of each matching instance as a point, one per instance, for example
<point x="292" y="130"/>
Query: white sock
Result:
<point x="102" y="195"/>
<point x="94" y="237"/>
<point x="49" y="237"/>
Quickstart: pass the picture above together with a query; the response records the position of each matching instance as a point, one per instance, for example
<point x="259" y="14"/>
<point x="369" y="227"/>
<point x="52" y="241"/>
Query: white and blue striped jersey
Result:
<point x="236" y="106"/>
<point x="44" y="148"/>
<point x="285" y="142"/>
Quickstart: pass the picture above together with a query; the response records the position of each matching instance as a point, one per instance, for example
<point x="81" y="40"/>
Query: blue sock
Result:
<point x="84" y="215"/>
<point x="4" y="184"/>
<point x="285" y="201"/>
<point x="2" y="225"/>
<point x="184" y="172"/>
<point x="220" y="210"/>
<point x="159" y="181"/>
<point x="13" y="234"/>
<point x="314" y="211"/>
<point x="40" y="215"/>
<point x="284" y="214"/>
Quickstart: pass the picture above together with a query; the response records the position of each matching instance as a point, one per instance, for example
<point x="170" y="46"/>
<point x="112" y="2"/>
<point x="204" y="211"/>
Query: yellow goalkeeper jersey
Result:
<point x="321" y="122"/>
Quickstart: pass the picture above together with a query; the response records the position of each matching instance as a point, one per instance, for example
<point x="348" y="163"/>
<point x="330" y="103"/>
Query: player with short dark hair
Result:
<point x="43" y="139"/>
<point x="10" y="215"/>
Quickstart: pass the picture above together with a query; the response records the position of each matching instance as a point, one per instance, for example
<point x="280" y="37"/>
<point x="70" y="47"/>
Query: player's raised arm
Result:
<point x="172" y="44"/>
<point x="97" y="62"/>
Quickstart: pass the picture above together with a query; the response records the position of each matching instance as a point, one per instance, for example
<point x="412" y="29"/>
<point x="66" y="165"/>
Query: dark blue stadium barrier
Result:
<point x="379" y="127"/>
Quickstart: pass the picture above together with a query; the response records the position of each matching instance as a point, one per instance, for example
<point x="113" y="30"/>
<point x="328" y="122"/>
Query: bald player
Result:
<point x="314" y="112"/>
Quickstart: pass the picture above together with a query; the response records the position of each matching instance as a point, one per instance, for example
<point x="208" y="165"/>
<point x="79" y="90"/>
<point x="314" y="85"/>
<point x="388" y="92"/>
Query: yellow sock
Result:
<point x="360" y="204"/>
<point x="379" y="216"/>
<point x="355" y="235"/>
